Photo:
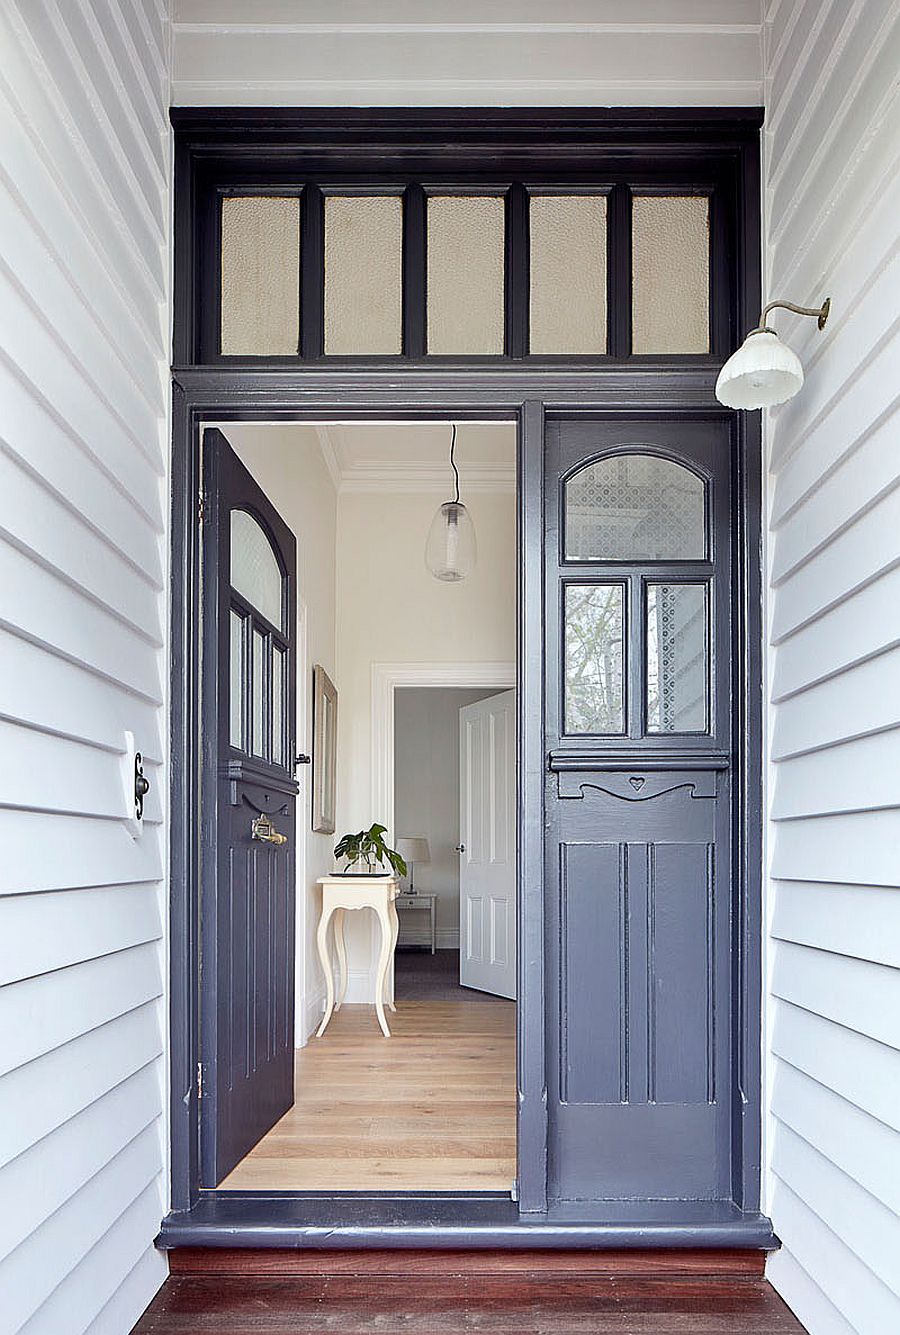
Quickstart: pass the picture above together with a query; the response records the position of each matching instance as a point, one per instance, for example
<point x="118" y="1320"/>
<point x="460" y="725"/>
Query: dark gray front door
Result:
<point x="249" y="793"/>
<point x="639" y="797"/>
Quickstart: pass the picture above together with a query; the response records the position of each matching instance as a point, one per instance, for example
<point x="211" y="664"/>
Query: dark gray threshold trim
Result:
<point x="360" y="1223"/>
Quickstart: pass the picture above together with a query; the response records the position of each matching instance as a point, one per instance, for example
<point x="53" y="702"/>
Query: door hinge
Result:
<point x="199" y="1080"/>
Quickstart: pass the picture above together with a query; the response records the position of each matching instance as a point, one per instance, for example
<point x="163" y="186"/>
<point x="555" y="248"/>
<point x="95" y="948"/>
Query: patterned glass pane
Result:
<point x="255" y="572"/>
<point x="363" y="273"/>
<point x="278" y="701"/>
<point x="670" y="273"/>
<point x="635" y="507"/>
<point x="259" y="694"/>
<point x="466" y="248"/>
<point x="568" y="274"/>
<point x="260" y="276"/>
<point x="594" y="653"/>
<point x="236" y="716"/>
<point x="677" y="658"/>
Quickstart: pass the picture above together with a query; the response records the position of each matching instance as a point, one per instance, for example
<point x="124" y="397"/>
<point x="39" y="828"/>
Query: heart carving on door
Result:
<point x="637" y="783"/>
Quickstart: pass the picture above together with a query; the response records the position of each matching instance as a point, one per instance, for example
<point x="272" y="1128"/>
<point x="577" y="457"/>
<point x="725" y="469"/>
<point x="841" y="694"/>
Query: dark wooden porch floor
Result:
<point x="463" y="1305"/>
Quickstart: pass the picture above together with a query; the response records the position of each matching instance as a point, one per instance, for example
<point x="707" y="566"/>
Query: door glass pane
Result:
<point x="260" y="293"/>
<point x="594" y="652"/>
<point x="635" y="507"/>
<point x="259" y="693"/>
<point x="466" y="247"/>
<point x="363" y="274"/>
<point x="255" y="572"/>
<point x="677" y="658"/>
<point x="568" y="273"/>
<point x="279" y="696"/>
<point x="670" y="273"/>
<point x="236" y="713"/>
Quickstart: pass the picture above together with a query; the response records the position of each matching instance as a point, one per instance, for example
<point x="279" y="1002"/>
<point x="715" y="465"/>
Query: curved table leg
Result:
<point x="341" y="949"/>
<point x="325" y="957"/>
<point x="384" y="959"/>
<point x="395" y="932"/>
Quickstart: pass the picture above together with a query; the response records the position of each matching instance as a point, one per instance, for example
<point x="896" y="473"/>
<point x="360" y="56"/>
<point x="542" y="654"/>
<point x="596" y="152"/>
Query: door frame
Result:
<point x="204" y="398"/>
<point x="387" y="678"/>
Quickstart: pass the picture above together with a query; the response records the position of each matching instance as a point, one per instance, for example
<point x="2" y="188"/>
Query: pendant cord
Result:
<point x="453" y="463"/>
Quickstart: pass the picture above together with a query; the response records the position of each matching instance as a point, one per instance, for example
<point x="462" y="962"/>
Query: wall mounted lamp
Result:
<point x="764" y="371"/>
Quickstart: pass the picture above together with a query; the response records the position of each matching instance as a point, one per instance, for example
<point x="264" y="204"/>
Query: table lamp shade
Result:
<point x="413" y="848"/>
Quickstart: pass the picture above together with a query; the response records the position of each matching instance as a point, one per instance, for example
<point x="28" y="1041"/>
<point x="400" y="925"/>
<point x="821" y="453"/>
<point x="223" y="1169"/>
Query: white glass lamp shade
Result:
<point x="413" y="848"/>
<point x="450" y="552"/>
<point x="764" y="371"/>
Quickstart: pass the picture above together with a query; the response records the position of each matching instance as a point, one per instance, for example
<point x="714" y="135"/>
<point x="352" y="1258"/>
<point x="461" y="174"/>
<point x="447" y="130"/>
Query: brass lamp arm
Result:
<point x="820" y="313"/>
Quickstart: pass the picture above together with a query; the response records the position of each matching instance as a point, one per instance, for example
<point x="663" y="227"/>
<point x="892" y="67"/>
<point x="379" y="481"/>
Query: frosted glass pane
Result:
<point x="236" y="725"/>
<point x="568" y="273"/>
<point x="260" y="275"/>
<point x="363" y="274"/>
<point x="670" y="273"/>
<point x="594" y="689"/>
<point x="259" y="694"/>
<point x="278" y="701"/>
<point x="466" y="249"/>
<point x="255" y="572"/>
<point x="677" y="668"/>
<point x="635" y="507"/>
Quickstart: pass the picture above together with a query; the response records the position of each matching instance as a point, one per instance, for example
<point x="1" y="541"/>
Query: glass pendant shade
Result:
<point x="450" y="552"/>
<point x="763" y="372"/>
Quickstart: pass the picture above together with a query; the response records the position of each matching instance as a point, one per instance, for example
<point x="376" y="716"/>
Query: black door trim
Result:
<point x="201" y="398"/>
<point x="526" y="392"/>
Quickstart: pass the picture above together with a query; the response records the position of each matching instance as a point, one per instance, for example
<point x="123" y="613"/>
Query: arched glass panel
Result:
<point x="635" y="507"/>
<point x="255" y="572"/>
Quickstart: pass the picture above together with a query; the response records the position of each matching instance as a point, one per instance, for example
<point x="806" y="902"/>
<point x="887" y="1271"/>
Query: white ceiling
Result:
<point x="414" y="456"/>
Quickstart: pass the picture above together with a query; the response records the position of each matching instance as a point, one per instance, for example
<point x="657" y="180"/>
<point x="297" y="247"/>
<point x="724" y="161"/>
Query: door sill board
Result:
<point x="457" y="1223"/>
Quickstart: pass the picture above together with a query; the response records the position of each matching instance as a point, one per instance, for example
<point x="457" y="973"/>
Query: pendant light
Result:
<point x="450" y="552"/>
<point x="764" y="371"/>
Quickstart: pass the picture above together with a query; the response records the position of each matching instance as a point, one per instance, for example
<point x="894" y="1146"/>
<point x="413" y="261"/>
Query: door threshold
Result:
<point x="448" y="1222"/>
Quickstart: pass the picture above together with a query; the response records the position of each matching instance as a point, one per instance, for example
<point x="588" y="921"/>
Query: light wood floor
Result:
<point x="433" y="1107"/>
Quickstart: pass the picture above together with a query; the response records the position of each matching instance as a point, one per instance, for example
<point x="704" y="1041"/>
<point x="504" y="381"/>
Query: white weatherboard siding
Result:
<point x="84" y="272"/>
<point x="467" y="53"/>
<point x="832" y="151"/>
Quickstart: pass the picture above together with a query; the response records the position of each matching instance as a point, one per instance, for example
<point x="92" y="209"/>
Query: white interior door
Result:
<point x="487" y="845"/>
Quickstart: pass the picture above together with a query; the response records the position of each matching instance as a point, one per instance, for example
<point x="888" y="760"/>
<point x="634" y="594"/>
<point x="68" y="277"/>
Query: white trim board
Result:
<point x="386" y="678"/>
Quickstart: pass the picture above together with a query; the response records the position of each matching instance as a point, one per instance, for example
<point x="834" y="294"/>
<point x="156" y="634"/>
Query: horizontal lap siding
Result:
<point x="84" y="208"/>
<point x="832" y="201"/>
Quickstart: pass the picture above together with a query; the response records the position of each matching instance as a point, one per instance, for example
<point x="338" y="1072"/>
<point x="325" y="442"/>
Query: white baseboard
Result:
<point x="312" y="1011"/>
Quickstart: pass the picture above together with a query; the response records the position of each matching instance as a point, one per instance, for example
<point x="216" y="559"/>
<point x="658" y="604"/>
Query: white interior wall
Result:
<point x="426" y="799"/>
<point x="287" y="463"/>
<point x="391" y="610"/>
<point x="468" y="53"/>
<point x="832" y="200"/>
<point x="84" y="333"/>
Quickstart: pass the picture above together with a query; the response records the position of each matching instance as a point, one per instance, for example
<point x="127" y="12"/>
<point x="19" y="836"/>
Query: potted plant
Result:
<point x="366" y="853"/>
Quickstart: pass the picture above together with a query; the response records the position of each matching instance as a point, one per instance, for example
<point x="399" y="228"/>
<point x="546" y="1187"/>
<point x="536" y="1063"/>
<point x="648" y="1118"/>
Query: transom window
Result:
<point x="423" y="271"/>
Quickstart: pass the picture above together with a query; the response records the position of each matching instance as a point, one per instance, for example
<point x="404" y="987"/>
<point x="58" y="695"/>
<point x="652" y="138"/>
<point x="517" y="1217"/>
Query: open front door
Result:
<point x="487" y="848"/>
<point x="248" y="870"/>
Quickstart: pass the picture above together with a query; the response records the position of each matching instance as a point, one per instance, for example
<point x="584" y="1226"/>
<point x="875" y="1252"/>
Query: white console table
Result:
<point x="340" y="893"/>
<point x="420" y="901"/>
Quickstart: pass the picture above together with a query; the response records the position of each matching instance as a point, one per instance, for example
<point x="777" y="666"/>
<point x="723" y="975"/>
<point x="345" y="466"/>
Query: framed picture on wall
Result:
<point x="324" y="751"/>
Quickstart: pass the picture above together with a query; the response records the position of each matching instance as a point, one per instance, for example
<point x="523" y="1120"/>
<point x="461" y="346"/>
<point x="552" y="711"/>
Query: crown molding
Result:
<point x="406" y="477"/>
